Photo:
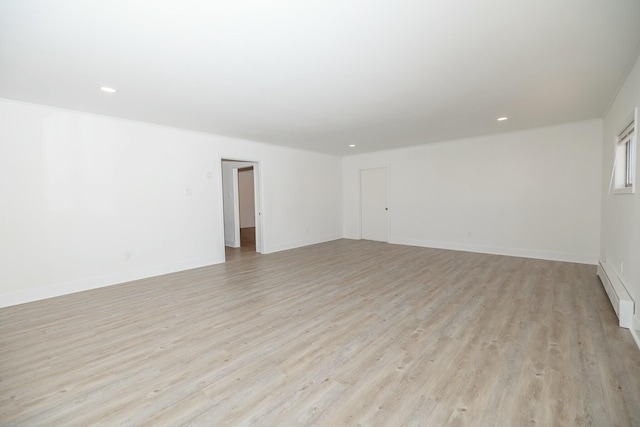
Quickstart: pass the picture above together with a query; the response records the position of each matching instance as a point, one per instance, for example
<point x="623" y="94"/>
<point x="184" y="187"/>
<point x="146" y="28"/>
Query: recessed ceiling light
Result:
<point x="108" y="89"/>
<point x="352" y="145"/>
<point x="502" y="119"/>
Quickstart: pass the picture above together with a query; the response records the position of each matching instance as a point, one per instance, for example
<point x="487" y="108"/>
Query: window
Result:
<point x="626" y="157"/>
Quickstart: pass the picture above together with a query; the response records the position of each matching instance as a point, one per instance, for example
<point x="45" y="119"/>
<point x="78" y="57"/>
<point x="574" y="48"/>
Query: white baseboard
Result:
<point x="231" y="244"/>
<point x="299" y="244"/>
<point x="635" y="330"/>
<point x="635" y="333"/>
<point x="620" y="299"/>
<point x="58" y="289"/>
<point x="523" y="253"/>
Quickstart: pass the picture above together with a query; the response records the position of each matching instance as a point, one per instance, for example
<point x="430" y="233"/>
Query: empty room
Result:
<point x="319" y="213"/>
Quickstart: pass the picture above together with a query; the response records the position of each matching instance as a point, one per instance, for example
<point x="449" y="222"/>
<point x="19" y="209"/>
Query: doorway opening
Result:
<point x="241" y="207"/>
<point x="247" y="208"/>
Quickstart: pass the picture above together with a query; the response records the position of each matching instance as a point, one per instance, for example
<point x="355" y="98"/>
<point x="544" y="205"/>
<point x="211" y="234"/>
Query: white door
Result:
<point x="374" y="204"/>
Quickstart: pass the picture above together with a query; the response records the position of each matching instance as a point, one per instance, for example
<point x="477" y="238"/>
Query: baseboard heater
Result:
<point x="618" y="295"/>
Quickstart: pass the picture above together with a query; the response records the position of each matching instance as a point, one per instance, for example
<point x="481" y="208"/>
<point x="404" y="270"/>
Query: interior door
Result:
<point x="374" y="204"/>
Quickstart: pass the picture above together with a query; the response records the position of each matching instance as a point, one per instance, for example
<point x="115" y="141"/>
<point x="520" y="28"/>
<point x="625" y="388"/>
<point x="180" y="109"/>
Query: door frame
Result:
<point x="258" y="200"/>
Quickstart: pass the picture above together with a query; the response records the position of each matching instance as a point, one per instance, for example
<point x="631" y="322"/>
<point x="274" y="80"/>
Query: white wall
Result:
<point x="246" y="199"/>
<point x="78" y="192"/>
<point x="620" y="240"/>
<point x="533" y="193"/>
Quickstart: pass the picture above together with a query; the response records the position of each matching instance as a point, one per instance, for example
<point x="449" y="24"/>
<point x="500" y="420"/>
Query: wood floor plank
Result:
<point x="340" y="333"/>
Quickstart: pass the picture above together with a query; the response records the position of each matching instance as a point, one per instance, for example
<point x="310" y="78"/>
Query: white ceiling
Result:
<point x="322" y="74"/>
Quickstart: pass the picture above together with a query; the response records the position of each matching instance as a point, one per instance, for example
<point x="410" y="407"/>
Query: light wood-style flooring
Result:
<point x="340" y="333"/>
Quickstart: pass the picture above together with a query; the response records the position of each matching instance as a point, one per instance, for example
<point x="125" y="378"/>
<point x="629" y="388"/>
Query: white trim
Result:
<point x="620" y="299"/>
<point x="58" y="289"/>
<point x="258" y="188"/>
<point x="635" y="333"/>
<point x="494" y="250"/>
<point x="625" y="190"/>
<point x="300" y="243"/>
<point x="236" y="206"/>
<point x="635" y="330"/>
<point x="231" y="244"/>
<point x="258" y="191"/>
<point x="220" y="190"/>
<point x="632" y="120"/>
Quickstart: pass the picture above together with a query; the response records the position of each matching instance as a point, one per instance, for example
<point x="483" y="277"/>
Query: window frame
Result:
<point x="625" y="156"/>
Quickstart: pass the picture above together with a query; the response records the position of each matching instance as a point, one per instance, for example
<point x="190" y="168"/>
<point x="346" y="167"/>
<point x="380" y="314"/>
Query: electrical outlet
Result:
<point x="128" y="256"/>
<point x="209" y="174"/>
<point x="188" y="192"/>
